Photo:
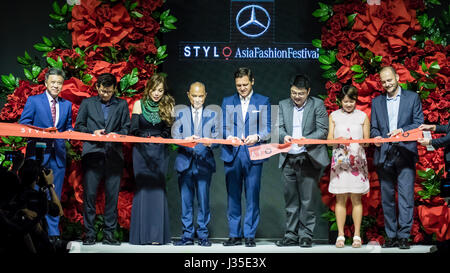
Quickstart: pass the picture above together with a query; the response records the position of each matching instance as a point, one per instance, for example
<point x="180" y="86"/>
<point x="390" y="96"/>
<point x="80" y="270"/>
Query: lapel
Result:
<point x="251" y="102"/>
<point x="306" y="112"/>
<point x="47" y="108"/>
<point x="384" y="111"/>
<point x="112" y="111"/>
<point x="238" y="107"/>
<point x="288" y="117"/>
<point x="191" y="120"/>
<point x="402" y="107"/>
<point x="98" y="106"/>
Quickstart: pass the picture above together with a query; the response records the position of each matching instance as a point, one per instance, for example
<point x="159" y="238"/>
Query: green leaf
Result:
<point x="434" y="68"/>
<point x="429" y="85"/>
<point x="22" y="61"/>
<point x="169" y="25"/>
<point x="334" y="227"/>
<point x="124" y="82"/>
<point x="56" y="8"/>
<point x="56" y="17"/>
<point x="160" y="52"/>
<point x="87" y="78"/>
<point x="360" y="80"/>
<point x="136" y="14"/>
<point x="47" y="41"/>
<point x="324" y="59"/>
<point x="64" y="9"/>
<point x="171" y="19"/>
<point x="356" y="68"/>
<point x="358" y="76"/>
<point x="424" y="67"/>
<point x="325" y="66"/>
<point x="351" y="19"/>
<point x="52" y="62"/>
<point x="27" y="56"/>
<point x="329" y="74"/>
<point x="59" y="63"/>
<point x="164" y="15"/>
<point x="324" y="18"/>
<point x="35" y="70"/>
<point x="378" y="59"/>
<point x="7" y="82"/>
<point x="317" y="43"/>
<point x="28" y="74"/>
<point x="6" y="140"/>
<point x="320" y="13"/>
<point x="42" y="47"/>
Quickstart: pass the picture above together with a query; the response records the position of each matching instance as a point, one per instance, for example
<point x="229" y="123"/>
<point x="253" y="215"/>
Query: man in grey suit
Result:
<point x="102" y="115"/>
<point x="300" y="117"/>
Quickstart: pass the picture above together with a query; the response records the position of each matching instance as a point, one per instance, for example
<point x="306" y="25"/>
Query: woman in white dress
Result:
<point x="349" y="174"/>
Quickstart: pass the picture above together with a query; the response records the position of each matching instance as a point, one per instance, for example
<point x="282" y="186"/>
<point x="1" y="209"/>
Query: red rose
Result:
<point x="12" y="110"/>
<point x="101" y="24"/>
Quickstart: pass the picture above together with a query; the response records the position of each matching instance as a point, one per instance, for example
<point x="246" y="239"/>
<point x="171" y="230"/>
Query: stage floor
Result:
<point x="217" y="247"/>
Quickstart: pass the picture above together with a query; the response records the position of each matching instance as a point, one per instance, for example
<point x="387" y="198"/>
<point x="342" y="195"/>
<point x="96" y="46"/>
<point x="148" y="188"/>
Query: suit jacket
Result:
<point x="314" y="126"/>
<point x="257" y="121"/>
<point x="37" y="113"/>
<point x="443" y="142"/>
<point x="201" y="154"/>
<point x="410" y="116"/>
<point x="90" y="118"/>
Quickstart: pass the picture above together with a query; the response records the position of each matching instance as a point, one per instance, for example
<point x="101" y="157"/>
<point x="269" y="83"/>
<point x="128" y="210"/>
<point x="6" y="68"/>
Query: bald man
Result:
<point x="195" y="166"/>
<point x="394" y="112"/>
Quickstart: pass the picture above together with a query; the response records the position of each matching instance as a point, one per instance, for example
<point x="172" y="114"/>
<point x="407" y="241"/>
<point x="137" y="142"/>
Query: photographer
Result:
<point x="32" y="204"/>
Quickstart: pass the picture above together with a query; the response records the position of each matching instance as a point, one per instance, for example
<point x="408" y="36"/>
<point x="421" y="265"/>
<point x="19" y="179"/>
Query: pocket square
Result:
<point x="256" y="111"/>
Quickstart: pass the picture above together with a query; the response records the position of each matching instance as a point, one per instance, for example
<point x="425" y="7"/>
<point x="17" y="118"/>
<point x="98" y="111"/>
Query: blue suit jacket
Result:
<point x="184" y="127"/>
<point x="410" y="116"/>
<point x="257" y="121"/>
<point x="37" y="113"/>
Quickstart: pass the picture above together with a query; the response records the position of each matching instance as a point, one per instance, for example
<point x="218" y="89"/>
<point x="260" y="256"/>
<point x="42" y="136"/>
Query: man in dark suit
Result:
<point x="246" y="118"/>
<point x="102" y="115"/>
<point x="301" y="116"/>
<point x="393" y="113"/>
<point x="195" y="166"/>
<point x="48" y="110"/>
<point x="439" y="143"/>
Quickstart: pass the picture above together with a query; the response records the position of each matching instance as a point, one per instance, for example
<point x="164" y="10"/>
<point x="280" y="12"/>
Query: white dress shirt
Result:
<point x="393" y="105"/>
<point x="297" y="129"/>
<point x="198" y="111"/>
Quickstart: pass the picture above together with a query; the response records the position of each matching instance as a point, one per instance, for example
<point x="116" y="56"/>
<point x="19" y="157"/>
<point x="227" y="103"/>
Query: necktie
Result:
<point x="53" y="109"/>
<point x="196" y="123"/>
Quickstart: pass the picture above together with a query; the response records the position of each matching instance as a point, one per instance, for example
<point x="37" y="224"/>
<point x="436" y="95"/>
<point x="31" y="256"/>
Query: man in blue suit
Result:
<point x="48" y="110"/>
<point x="393" y="113"/>
<point x="195" y="166"/>
<point x="246" y="119"/>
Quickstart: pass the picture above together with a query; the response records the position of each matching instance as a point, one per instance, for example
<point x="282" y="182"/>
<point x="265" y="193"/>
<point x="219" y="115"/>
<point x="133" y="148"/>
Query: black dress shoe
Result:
<point x="109" y="240"/>
<point x="87" y="241"/>
<point x="306" y="242"/>
<point x="403" y="243"/>
<point x="233" y="241"/>
<point x="390" y="242"/>
<point x="204" y="242"/>
<point x="250" y="242"/>
<point x="286" y="242"/>
<point x="53" y="239"/>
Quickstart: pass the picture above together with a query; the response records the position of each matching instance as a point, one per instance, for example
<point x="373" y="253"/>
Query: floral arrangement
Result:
<point x="357" y="39"/>
<point x="93" y="37"/>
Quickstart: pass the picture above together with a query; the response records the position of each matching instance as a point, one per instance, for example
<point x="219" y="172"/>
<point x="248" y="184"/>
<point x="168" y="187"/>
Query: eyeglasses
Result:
<point x="299" y="94"/>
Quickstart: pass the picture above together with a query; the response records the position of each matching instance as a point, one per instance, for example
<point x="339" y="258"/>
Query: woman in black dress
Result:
<point x="152" y="116"/>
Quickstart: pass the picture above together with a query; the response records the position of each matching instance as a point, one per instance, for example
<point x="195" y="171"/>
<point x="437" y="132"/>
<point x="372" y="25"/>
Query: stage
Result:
<point x="262" y="246"/>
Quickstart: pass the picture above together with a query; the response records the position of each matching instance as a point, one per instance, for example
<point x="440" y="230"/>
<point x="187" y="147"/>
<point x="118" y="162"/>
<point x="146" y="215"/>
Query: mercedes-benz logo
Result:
<point x="254" y="22"/>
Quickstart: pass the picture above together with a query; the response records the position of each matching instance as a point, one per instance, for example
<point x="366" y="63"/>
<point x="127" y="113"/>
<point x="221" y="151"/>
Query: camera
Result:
<point x="40" y="150"/>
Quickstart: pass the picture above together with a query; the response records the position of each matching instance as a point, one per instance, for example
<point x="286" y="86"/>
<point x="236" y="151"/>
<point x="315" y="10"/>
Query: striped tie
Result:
<point x="53" y="109"/>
